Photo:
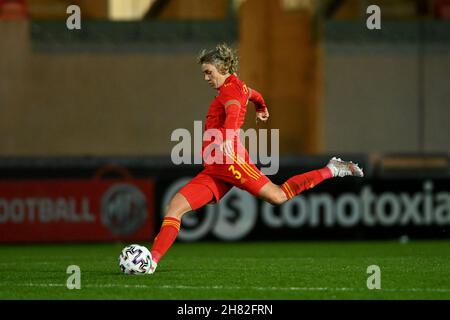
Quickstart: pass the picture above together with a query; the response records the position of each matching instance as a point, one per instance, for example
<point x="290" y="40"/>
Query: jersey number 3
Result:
<point x="235" y="172"/>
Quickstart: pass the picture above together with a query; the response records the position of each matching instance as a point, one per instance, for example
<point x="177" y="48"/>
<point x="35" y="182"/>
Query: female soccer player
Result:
<point x="226" y="115"/>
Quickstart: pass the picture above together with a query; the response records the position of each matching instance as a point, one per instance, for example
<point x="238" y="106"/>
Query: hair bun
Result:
<point x="223" y="57"/>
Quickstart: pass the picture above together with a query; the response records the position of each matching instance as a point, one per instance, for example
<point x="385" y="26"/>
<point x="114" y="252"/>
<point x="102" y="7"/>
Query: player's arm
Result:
<point x="230" y="127"/>
<point x="262" y="113"/>
<point x="232" y="109"/>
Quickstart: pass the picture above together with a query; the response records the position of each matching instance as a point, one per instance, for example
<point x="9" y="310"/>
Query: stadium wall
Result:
<point x="60" y="97"/>
<point x="390" y="84"/>
<point x="281" y="57"/>
<point x="72" y="94"/>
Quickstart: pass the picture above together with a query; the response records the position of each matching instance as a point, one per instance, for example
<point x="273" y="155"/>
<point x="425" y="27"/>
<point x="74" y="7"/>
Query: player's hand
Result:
<point x="262" y="116"/>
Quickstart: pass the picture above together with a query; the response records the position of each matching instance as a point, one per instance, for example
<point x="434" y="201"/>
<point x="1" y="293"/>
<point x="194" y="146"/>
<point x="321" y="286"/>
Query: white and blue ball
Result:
<point x="135" y="259"/>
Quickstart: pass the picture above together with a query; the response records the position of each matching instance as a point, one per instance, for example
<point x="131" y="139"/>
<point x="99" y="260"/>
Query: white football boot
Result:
<point x="152" y="268"/>
<point x="341" y="168"/>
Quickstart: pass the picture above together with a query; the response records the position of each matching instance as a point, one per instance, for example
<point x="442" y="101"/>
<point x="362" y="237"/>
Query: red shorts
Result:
<point x="218" y="179"/>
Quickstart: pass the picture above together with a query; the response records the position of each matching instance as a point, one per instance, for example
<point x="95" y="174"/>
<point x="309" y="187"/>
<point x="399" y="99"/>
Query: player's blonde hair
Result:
<point x="223" y="57"/>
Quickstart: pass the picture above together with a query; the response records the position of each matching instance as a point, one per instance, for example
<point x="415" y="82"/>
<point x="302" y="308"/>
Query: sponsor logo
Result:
<point x="236" y="215"/>
<point x="123" y="209"/>
<point x="368" y="209"/>
<point x="45" y="210"/>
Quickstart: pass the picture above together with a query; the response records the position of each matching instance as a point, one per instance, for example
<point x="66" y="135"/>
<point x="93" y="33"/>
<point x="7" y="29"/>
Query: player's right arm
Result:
<point x="262" y="113"/>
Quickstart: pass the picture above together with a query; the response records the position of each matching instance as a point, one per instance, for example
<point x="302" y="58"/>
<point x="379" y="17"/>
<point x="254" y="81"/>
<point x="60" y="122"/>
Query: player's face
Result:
<point x="211" y="75"/>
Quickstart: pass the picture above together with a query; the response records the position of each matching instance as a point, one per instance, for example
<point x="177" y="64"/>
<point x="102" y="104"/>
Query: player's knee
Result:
<point x="277" y="198"/>
<point x="177" y="207"/>
<point x="174" y="212"/>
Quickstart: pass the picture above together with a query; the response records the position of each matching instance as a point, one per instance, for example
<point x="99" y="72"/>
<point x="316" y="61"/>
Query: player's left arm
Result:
<point x="230" y="128"/>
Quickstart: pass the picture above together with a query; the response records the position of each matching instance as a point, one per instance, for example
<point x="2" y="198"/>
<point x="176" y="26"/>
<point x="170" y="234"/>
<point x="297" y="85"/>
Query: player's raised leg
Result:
<point x="336" y="167"/>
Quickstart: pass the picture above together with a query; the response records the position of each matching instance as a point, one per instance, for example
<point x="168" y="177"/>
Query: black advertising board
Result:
<point x="340" y="209"/>
<point x="378" y="206"/>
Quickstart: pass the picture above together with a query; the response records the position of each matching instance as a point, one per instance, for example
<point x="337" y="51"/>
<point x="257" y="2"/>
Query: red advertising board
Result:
<point x="76" y="210"/>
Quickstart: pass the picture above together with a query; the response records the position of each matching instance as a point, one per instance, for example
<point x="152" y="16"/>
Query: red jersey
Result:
<point x="228" y="109"/>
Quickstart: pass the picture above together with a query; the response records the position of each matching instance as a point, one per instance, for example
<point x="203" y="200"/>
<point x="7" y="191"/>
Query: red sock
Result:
<point x="165" y="238"/>
<point x="296" y="184"/>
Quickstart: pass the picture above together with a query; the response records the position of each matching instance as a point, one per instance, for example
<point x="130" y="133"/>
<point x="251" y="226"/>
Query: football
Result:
<point x="135" y="259"/>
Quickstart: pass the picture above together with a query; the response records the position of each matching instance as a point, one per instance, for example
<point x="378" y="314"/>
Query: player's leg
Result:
<point x="272" y="193"/>
<point x="245" y="175"/>
<point x="275" y="194"/>
<point x="201" y="190"/>
<point x="198" y="196"/>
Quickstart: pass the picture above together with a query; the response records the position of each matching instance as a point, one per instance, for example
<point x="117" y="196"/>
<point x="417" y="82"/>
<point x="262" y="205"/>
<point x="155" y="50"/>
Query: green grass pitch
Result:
<point x="259" y="270"/>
